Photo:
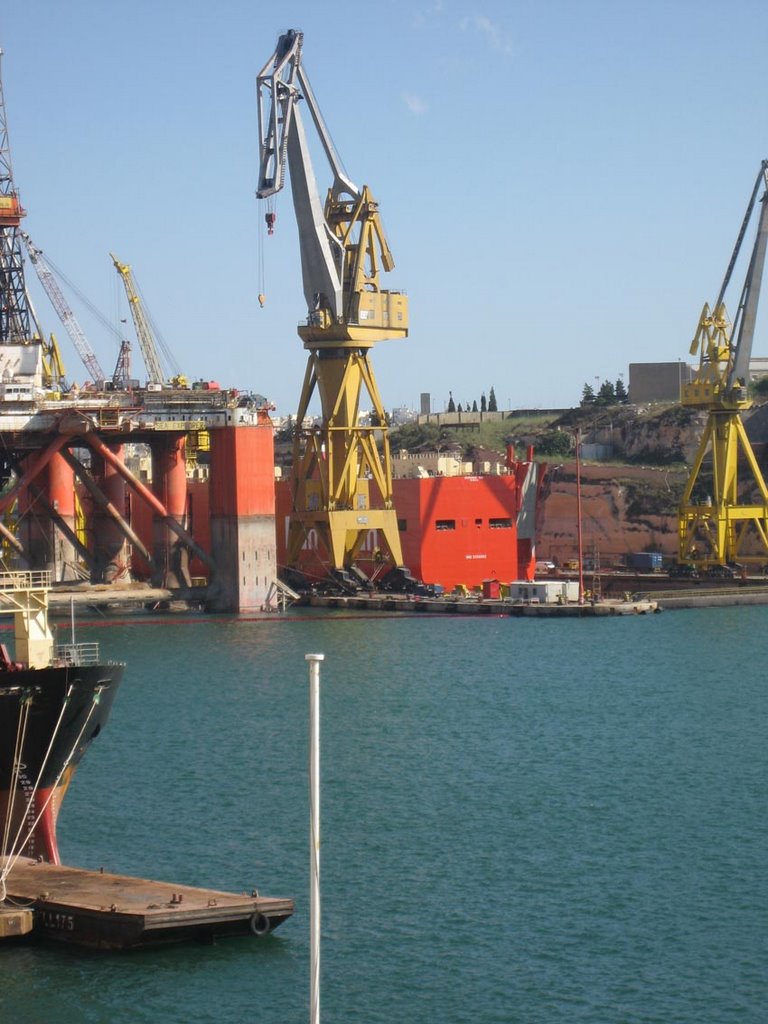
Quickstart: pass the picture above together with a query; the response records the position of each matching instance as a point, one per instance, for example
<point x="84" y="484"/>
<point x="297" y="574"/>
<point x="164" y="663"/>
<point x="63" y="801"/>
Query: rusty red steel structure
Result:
<point x="74" y="466"/>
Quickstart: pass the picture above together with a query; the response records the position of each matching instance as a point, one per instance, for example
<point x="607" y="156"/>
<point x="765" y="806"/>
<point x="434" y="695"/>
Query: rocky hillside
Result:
<point x="624" y="509"/>
<point x="657" y="436"/>
<point x="630" y="503"/>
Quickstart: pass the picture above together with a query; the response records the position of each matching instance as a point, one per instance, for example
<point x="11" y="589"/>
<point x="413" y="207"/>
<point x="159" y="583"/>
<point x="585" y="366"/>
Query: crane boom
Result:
<point x="746" y="315"/>
<point x="65" y="314"/>
<point x="141" y="323"/>
<point x="343" y="243"/>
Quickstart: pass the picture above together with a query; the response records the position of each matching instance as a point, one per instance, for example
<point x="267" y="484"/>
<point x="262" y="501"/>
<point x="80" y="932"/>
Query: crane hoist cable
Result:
<point x="261" y="275"/>
<point x="65" y="314"/>
<point x="165" y="349"/>
<point x="94" y="310"/>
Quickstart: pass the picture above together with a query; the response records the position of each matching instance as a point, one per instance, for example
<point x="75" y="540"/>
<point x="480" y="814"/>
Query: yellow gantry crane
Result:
<point x="724" y="517"/>
<point x="343" y="252"/>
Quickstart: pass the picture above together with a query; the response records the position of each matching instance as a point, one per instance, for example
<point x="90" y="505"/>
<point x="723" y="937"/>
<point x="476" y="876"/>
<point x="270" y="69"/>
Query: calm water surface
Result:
<point x="523" y="821"/>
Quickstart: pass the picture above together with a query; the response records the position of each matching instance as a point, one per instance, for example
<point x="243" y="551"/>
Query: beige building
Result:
<point x="662" y="382"/>
<point x="407" y="466"/>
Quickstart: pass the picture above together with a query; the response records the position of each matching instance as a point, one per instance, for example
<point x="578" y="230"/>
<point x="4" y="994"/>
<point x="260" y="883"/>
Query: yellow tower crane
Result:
<point x="343" y="252"/>
<point x="724" y="518"/>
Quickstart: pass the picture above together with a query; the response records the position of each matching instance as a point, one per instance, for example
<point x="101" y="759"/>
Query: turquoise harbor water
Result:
<point x="523" y="821"/>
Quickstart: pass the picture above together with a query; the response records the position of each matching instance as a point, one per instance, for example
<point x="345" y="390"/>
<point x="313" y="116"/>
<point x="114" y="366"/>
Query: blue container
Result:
<point x="645" y="561"/>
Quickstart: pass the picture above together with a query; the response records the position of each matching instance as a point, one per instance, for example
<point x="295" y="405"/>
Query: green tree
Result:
<point x="759" y="388"/>
<point x="458" y="408"/>
<point x="451" y="403"/>
<point x="474" y="406"/>
<point x="483" y="403"/>
<point x="607" y="394"/>
<point x="621" y="391"/>
<point x="553" y="442"/>
<point x="375" y="421"/>
<point x="414" y="435"/>
<point x="588" y="395"/>
<point x="492" y="407"/>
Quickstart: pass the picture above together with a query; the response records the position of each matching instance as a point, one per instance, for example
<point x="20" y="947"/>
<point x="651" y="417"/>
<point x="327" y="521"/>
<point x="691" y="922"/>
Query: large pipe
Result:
<point x="12" y="540"/>
<point x="34" y="470"/>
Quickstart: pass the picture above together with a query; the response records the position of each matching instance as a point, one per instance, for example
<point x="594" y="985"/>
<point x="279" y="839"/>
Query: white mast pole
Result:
<point x="314" y="835"/>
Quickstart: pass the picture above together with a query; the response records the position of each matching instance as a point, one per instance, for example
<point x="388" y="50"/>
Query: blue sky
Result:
<point x="561" y="182"/>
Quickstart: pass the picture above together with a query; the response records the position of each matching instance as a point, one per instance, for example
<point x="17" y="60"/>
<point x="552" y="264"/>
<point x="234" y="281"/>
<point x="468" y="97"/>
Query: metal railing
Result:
<point x="23" y="580"/>
<point x="77" y="654"/>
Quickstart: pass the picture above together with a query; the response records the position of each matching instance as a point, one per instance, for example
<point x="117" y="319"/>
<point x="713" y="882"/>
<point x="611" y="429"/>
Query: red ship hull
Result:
<point x="460" y="530"/>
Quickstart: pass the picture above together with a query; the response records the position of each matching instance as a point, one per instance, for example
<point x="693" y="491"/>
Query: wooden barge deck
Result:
<point x="106" y="911"/>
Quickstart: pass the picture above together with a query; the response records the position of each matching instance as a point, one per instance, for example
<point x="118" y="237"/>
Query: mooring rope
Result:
<point x="94" y="702"/>
<point x="21" y="732"/>
<point x="12" y="856"/>
<point x="18" y="748"/>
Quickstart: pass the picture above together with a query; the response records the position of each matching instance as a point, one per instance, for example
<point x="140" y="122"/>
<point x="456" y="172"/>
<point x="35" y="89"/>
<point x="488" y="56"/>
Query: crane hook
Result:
<point x="270" y="218"/>
<point x="262" y="299"/>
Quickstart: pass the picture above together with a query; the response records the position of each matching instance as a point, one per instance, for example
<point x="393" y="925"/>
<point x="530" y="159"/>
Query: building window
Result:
<point x="402" y="525"/>
<point x="500" y="524"/>
<point x="445" y="524"/>
<point x="478" y="522"/>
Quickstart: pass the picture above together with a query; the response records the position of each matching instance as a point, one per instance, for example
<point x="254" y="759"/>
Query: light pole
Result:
<point x="578" y="517"/>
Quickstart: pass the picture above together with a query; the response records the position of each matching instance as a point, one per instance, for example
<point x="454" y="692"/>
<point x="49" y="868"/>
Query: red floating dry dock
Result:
<point x="105" y="911"/>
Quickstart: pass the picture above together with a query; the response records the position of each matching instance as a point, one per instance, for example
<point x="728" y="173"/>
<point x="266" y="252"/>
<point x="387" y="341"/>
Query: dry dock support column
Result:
<point x="47" y="517"/>
<point x="109" y="545"/>
<point x="61" y="494"/>
<point x="169" y="485"/>
<point x="34" y="532"/>
<point x="242" y="514"/>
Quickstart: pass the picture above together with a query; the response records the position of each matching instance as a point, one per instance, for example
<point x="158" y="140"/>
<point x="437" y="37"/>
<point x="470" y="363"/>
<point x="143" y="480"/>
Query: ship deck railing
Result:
<point x="26" y="580"/>
<point x="77" y="654"/>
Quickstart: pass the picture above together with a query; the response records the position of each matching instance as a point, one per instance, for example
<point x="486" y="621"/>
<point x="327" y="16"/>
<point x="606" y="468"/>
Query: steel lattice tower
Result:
<point x="14" y="308"/>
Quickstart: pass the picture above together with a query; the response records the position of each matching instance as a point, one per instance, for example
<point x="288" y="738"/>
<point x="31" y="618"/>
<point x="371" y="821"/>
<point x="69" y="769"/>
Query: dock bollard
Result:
<point x="314" y="835"/>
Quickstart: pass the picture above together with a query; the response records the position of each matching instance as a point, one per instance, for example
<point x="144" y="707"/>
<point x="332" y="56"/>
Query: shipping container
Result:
<point x="645" y="561"/>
